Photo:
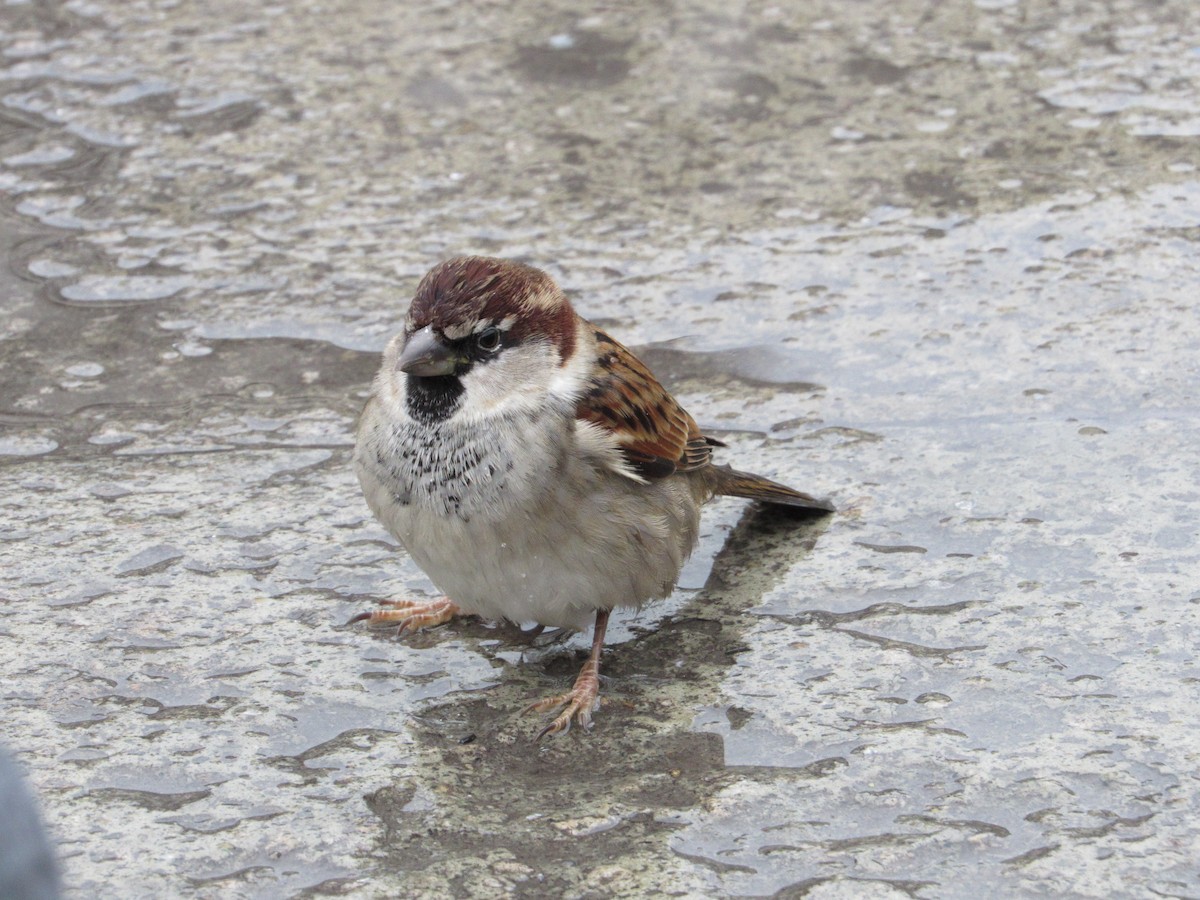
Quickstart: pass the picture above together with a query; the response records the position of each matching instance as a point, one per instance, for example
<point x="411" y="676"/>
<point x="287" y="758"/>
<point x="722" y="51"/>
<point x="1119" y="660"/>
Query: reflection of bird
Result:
<point x="27" y="867"/>
<point x="531" y="465"/>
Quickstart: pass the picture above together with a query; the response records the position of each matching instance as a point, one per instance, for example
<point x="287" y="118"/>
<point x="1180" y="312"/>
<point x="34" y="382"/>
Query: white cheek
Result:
<point x="516" y="380"/>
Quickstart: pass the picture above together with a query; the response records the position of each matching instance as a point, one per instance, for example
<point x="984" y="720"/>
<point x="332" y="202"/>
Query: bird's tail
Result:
<point x="732" y="483"/>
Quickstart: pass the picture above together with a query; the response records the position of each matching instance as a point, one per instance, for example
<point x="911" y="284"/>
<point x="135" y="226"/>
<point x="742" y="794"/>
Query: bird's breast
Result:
<point x="466" y="472"/>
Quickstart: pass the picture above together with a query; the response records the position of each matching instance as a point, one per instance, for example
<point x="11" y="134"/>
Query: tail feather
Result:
<point x="730" y="482"/>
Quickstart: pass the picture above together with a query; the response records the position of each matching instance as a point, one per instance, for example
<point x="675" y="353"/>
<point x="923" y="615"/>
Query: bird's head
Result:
<point x="482" y="337"/>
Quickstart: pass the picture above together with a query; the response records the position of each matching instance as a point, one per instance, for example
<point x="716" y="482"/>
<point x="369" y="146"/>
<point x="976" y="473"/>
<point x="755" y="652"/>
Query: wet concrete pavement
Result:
<point x="936" y="263"/>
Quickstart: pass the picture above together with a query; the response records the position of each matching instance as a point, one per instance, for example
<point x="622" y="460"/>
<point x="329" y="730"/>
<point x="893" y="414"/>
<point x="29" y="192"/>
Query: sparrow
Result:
<point x="531" y="465"/>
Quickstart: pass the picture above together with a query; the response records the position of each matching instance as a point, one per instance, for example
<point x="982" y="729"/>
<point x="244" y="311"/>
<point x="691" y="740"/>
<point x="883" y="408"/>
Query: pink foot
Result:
<point x="411" y="615"/>
<point x="579" y="702"/>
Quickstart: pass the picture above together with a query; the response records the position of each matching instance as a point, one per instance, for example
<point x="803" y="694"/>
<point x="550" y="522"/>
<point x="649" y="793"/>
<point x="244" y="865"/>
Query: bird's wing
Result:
<point x="624" y="406"/>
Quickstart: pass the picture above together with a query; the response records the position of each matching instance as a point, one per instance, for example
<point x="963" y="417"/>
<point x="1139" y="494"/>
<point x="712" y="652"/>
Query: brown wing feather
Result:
<point x="656" y="435"/>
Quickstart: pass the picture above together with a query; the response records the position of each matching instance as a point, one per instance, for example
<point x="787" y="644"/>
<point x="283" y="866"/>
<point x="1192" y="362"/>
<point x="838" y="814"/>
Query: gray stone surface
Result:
<point x="938" y="262"/>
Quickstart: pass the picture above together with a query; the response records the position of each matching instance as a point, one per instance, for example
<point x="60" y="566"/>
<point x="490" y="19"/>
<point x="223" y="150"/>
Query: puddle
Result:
<point x="134" y="289"/>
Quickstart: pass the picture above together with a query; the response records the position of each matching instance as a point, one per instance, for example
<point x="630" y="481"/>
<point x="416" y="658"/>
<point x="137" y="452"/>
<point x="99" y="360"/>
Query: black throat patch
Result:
<point x="432" y="400"/>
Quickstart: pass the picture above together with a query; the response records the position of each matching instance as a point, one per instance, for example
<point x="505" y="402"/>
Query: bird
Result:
<point x="532" y="466"/>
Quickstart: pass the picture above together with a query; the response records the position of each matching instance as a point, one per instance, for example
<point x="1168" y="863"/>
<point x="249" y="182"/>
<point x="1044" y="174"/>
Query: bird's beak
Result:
<point x="425" y="355"/>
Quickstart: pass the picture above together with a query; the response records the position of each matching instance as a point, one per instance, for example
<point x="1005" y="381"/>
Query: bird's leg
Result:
<point x="411" y="615"/>
<point x="584" y="696"/>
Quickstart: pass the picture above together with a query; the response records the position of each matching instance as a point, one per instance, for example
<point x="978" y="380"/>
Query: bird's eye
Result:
<point x="488" y="340"/>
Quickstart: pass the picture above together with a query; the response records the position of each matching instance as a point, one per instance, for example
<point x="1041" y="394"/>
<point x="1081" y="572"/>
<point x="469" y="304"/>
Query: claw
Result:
<point x="555" y="727"/>
<point x="579" y="706"/>
<point x="410" y="615"/>
<point x="584" y="695"/>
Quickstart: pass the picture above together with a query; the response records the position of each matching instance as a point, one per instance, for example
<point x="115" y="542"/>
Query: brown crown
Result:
<point x="459" y="292"/>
